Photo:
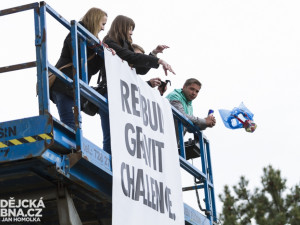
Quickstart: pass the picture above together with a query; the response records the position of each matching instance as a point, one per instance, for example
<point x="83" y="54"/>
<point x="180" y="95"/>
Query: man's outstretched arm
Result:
<point x="201" y="123"/>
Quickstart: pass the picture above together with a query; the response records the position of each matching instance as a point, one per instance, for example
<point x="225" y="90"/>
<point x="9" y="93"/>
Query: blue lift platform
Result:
<point x="42" y="157"/>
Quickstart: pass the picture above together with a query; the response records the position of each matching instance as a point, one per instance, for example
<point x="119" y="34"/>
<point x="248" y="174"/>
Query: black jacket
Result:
<point x="142" y="63"/>
<point x="126" y="53"/>
<point x="94" y="65"/>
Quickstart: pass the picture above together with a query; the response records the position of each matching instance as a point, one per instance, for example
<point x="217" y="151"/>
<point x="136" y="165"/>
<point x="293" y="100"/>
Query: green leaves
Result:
<point x="272" y="204"/>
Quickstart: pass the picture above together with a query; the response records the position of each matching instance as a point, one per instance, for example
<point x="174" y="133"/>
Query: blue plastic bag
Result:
<point x="239" y="117"/>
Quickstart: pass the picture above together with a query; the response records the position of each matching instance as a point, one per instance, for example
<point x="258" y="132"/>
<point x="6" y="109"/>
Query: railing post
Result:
<point x="181" y="140"/>
<point x="204" y="170"/>
<point x="210" y="178"/>
<point x="83" y="61"/>
<point x="75" y="71"/>
<point x="41" y="58"/>
<point x="38" y="41"/>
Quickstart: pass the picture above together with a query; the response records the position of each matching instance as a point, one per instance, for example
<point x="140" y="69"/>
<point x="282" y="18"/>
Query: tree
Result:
<point x="272" y="204"/>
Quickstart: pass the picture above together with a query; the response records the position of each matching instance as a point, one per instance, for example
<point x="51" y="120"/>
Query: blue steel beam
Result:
<point x="94" y="176"/>
<point x="194" y="171"/>
<point x="23" y="138"/>
<point x="64" y="137"/>
<point x="17" y="67"/>
<point x="38" y="52"/>
<point x="181" y="141"/>
<point x="193" y="188"/>
<point x="56" y="16"/>
<point x="203" y="154"/>
<point x="76" y="88"/>
<point x="88" y="35"/>
<point x="206" y="174"/>
<point x="212" y="190"/>
<point x="68" y="81"/>
<point x="93" y="42"/>
<point x="94" y="97"/>
<point x="43" y="87"/>
<point x="86" y="90"/>
<point x="192" y="217"/>
<point x="19" y="9"/>
<point x="83" y="61"/>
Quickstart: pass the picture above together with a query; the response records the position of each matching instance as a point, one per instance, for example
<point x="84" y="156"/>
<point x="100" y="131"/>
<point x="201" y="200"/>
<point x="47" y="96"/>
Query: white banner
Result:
<point x="146" y="170"/>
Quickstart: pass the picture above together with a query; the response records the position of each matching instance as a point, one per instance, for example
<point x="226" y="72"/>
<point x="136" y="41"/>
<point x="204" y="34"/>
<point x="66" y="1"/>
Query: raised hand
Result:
<point x="159" y="49"/>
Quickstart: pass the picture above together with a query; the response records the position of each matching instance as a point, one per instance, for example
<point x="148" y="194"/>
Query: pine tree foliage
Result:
<point x="271" y="204"/>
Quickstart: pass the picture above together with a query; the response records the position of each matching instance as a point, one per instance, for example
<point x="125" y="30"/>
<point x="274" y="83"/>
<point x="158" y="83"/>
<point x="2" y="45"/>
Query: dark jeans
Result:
<point x="64" y="104"/>
<point x="105" y="129"/>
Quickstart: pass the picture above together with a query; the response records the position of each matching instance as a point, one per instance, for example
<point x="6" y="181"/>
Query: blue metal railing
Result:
<point x="81" y="87"/>
<point x="206" y="174"/>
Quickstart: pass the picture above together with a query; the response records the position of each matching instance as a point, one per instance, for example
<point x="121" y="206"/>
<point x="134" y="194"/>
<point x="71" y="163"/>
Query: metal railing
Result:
<point x="81" y="87"/>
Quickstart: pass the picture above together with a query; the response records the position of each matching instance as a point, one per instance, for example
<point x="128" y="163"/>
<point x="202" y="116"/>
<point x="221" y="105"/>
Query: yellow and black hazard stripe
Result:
<point x="25" y="140"/>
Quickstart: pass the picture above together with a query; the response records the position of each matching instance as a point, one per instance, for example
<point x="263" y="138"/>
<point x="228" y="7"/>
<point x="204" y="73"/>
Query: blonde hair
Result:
<point x="119" y="29"/>
<point x="91" y="20"/>
<point x="137" y="47"/>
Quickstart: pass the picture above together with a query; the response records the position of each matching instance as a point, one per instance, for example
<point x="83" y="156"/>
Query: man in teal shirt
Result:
<point x="182" y="99"/>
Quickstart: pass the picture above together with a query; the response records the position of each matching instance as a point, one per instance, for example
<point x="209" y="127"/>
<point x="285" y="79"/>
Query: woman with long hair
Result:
<point x="94" y="21"/>
<point x="119" y="39"/>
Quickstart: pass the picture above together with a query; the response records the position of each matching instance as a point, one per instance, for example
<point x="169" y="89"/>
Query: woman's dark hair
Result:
<point x="119" y="29"/>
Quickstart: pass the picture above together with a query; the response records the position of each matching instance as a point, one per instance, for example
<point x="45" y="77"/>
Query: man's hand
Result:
<point x="210" y="121"/>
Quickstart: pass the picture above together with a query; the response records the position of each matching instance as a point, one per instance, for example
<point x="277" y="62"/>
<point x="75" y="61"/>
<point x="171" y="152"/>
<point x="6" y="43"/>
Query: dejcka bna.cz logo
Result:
<point x="21" y="210"/>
